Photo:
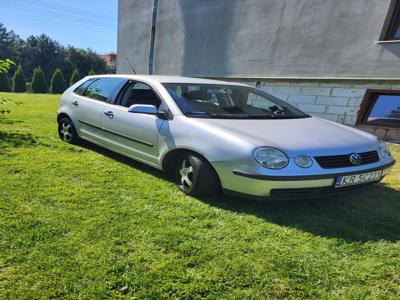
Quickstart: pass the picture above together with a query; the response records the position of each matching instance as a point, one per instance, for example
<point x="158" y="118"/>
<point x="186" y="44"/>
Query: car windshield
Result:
<point x="230" y="102"/>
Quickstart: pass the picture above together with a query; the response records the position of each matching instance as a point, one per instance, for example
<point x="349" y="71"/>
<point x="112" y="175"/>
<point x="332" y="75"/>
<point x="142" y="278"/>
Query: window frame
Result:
<point x="368" y="102"/>
<point x="392" y="22"/>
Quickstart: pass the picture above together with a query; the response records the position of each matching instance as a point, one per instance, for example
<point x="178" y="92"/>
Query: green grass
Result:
<point x="79" y="222"/>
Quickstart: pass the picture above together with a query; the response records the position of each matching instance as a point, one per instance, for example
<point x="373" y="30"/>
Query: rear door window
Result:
<point x="82" y="88"/>
<point x="102" y="88"/>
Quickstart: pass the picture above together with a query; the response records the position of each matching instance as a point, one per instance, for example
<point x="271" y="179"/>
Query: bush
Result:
<point x="74" y="77"/>
<point x="57" y="85"/>
<point x="19" y="81"/>
<point x="4" y="83"/>
<point x="91" y="72"/>
<point x="29" y="87"/>
<point x="39" y="83"/>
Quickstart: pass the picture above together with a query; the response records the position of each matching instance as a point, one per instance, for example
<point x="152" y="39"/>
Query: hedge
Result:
<point x="39" y="83"/>
<point x="57" y="85"/>
<point x="19" y="81"/>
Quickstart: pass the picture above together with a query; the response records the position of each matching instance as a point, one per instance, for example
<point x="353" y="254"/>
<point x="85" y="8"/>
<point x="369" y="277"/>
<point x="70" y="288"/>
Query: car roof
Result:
<point x="168" y="79"/>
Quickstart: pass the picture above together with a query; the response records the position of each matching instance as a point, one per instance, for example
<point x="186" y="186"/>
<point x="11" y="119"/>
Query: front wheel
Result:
<point x="195" y="176"/>
<point x="67" y="131"/>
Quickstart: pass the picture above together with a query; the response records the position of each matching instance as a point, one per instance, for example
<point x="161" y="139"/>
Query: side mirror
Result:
<point x="143" y="109"/>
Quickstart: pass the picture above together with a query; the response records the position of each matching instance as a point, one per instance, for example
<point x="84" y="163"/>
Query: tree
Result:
<point x="4" y="82"/>
<point x="57" y="85"/>
<point x="39" y="83"/>
<point x="91" y="72"/>
<point x="46" y="52"/>
<point x="395" y="113"/>
<point x="4" y="67"/>
<point x="19" y="81"/>
<point x="74" y="77"/>
<point x="9" y="42"/>
<point x="41" y="51"/>
<point x="84" y="61"/>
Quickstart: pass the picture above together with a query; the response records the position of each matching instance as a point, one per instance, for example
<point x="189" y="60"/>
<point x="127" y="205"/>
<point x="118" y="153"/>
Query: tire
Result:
<point x="195" y="176"/>
<point x="67" y="131"/>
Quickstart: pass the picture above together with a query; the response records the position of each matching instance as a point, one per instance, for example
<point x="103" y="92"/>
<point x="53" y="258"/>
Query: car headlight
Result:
<point x="383" y="150"/>
<point x="303" y="161"/>
<point x="271" y="158"/>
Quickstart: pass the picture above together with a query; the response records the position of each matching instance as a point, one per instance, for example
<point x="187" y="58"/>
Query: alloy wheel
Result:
<point x="66" y="132"/>
<point x="186" y="174"/>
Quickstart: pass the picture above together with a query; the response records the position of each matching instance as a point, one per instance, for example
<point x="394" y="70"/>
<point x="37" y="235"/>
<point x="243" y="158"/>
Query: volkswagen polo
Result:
<point x="221" y="135"/>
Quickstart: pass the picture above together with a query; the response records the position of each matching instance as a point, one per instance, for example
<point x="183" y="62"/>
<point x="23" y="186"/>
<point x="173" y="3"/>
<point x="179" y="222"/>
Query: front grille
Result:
<point x="342" y="161"/>
<point x="302" y="193"/>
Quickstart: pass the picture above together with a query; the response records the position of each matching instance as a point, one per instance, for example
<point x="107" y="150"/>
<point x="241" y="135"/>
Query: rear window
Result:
<point x="102" y="88"/>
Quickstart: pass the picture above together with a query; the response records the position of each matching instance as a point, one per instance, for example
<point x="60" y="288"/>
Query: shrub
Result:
<point x="57" y="85"/>
<point x="19" y="81"/>
<point x="91" y="72"/>
<point x="4" y="83"/>
<point x="74" y="77"/>
<point x="29" y="87"/>
<point x="39" y="83"/>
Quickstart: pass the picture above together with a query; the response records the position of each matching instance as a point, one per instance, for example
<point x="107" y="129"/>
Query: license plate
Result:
<point x="361" y="178"/>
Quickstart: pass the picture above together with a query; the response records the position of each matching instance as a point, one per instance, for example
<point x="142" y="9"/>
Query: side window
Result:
<point x="82" y="88"/>
<point x="102" y="88"/>
<point x="139" y="93"/>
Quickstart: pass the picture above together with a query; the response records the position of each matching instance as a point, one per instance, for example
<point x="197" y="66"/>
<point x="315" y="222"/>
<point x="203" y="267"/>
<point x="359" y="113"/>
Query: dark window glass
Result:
<point x="229" y="101"/>
<point x="393" y="32"/>
<point x="396" y="35"/>
<point x="102" y="88"/>
<point x="385" y="109"/>
<point x="81" y="89"/>
<point x="139" y="93"/>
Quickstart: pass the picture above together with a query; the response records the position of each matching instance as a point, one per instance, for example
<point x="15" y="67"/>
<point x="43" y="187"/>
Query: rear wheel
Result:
<point x="67" y="131"/>
<point x="195" y="176"/>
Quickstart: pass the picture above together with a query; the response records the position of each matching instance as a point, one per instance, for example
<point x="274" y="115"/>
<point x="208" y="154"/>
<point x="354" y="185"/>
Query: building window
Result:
<point x="391" y="28"/>
<point x="380" y="108"/>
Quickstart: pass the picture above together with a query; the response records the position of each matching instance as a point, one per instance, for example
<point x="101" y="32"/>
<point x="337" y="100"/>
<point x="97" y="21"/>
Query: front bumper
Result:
<point x="256" y="185"/>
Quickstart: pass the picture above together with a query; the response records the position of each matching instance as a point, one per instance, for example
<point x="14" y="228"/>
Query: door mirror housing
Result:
<point x="143" y="109"/>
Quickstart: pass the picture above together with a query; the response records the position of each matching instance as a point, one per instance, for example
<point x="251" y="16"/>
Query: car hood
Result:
<point x="310" y="136"/>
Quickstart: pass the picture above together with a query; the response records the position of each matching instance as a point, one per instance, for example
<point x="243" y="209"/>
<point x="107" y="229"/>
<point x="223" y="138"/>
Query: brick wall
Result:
<point x="338" y="101"/>
<point x="388" y="134"/>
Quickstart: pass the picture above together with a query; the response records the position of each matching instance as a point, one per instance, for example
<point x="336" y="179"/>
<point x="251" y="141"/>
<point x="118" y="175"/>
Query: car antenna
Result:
<point x="133" y="69"/>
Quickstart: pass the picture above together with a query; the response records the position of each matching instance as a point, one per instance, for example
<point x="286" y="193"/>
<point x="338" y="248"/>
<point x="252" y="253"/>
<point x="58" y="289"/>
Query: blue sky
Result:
<point x="80" y="23"/>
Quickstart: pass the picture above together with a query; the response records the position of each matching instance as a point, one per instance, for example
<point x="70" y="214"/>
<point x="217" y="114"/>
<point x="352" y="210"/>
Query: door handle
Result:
<point x="75" y="103"/>
<point x="109" y="114"/>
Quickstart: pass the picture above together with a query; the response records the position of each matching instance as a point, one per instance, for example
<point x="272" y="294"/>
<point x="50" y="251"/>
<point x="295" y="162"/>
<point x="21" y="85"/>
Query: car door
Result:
<point x="90" y="106"/>
<point x="134" y="134"/>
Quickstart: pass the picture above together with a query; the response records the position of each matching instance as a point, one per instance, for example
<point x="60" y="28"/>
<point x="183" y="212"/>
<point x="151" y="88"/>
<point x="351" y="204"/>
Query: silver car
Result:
<point x="221" y="135"/>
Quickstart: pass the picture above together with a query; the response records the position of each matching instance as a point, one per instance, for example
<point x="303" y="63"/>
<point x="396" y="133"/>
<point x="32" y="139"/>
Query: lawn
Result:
<point x="80" y="222"/>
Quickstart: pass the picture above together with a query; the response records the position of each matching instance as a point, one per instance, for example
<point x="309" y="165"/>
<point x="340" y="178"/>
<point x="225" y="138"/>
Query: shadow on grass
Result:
<point x="371" y="214"/>
<point x="9" y="121"/>
<point x="366" y="215"/>
<point x="125" y="160"/>
<point x="15" y="139"/>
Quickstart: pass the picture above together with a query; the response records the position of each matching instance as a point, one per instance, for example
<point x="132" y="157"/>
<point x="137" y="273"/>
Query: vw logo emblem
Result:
<point x="355" y="159"/>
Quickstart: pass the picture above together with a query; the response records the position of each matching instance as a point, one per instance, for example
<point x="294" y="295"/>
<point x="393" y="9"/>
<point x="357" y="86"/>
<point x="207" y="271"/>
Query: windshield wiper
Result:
<point x="201" y="114"/>
<point x="292" y="117"/>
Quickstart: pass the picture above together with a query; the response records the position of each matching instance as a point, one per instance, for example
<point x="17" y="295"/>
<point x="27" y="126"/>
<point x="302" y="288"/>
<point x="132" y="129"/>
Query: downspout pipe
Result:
<point x="153" y="36"/>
